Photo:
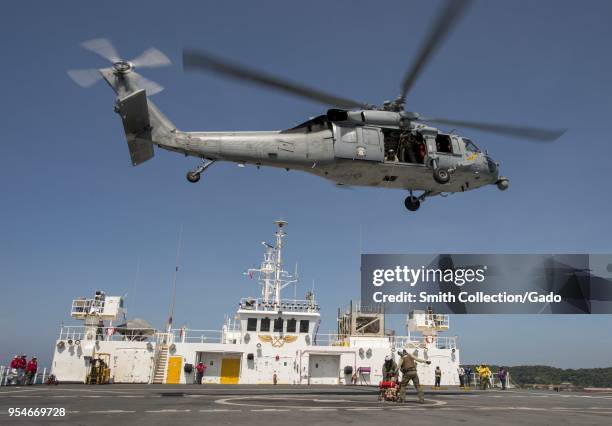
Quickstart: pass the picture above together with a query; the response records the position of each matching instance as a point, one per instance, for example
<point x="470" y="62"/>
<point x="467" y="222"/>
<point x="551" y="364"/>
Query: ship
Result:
<point x="269" y="340"/>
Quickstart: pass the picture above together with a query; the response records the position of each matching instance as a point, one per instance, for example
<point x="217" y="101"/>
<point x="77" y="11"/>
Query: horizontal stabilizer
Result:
<point x="134" y="113"/>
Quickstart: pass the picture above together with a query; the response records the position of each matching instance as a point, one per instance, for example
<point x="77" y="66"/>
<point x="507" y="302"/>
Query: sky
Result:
<point x="76" y="217"/>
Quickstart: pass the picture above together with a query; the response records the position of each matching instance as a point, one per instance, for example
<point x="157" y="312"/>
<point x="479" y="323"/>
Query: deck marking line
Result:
<point x="364" y="409"/>
<point x="270" y="409"/>
<point x="319" y="409"/>
<point x="167" y="410"/>
<point x="219" y="410"/>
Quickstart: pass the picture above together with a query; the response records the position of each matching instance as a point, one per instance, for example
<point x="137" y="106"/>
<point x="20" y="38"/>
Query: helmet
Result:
<point x="388" y="358"/>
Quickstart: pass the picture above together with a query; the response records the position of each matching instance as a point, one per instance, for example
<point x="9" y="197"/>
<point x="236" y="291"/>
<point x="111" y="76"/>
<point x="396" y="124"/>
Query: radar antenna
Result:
<point x="271" y="275"/>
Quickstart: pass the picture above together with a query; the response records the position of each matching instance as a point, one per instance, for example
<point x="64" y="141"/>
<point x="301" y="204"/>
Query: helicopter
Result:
<point x="353" y="144"/>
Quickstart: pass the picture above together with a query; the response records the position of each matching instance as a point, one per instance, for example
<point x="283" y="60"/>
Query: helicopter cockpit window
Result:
<point x="443" y="144"/>
<point x="469" y="146"/>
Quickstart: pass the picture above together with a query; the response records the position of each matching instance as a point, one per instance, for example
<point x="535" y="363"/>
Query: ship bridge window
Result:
<point x="304" y="326"/>
<point x="265" y="324"/>
<point x="291" y="325"/>
<point x="252" y="324"/>
<point x="278" y="325"/>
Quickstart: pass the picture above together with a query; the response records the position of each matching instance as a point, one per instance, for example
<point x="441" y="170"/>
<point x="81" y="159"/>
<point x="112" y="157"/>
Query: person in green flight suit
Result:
<point x="409" y="373"/>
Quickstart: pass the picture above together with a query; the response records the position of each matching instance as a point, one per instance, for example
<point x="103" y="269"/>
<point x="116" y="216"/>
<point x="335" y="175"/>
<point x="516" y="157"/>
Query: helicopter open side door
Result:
<point x="358" y="143"/>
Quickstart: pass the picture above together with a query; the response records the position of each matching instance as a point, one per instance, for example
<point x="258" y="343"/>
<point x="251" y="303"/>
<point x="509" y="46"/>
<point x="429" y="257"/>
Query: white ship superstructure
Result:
<point x="269" y="340"/>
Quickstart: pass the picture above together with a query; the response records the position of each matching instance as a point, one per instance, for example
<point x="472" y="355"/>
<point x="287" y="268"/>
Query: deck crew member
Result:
<point x="467" y="379"/>
<point x="31" y="370"/>
<point x="389" y="369"/>
<point x="501" y="375"/>
<point x="21" y="366"/>
<point x="485" y="374"/>
<point x="200" y="369"/>
<point x="461" y="373"/>
<point x="438" y="374"/>
<point x="13" y="375"/>
<point x="409" y="372"/>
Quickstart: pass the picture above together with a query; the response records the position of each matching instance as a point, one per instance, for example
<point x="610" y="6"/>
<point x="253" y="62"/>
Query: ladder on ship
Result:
<point x="161" y="364"/>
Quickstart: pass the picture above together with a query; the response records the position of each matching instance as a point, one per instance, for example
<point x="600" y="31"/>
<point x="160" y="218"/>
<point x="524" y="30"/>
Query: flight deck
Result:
<point x="280" y="404"/>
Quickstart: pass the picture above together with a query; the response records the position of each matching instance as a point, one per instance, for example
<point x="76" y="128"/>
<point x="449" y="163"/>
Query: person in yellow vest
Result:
<point x="485" y="376"/>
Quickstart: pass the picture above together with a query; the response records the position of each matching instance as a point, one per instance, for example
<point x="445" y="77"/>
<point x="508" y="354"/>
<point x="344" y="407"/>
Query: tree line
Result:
<point x="541" y="374"/>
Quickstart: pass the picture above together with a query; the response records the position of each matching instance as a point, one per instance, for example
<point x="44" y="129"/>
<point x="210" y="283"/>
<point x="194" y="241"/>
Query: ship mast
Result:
<point x="271" y="274"/>
<point x="267" y="271"/>
<point x="279" y="260"/>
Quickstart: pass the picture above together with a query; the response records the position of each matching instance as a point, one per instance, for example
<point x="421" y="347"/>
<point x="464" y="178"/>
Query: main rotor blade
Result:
<point x="85" y="78"/>
<point x="531" y="133"/>
<point x="443" y="24"/>
<point x="102" y="47"/>
<point x="202" y="61"/>
<point x="151" y="58"/>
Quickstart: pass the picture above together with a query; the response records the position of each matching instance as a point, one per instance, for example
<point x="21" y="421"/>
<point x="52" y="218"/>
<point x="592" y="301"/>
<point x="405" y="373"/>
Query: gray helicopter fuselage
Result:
<point x="325" y="153"/>
<point x="350" y="148"/>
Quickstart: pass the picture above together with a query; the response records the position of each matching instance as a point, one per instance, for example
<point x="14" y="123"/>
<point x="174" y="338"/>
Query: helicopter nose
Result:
<point x="492" y="168"/>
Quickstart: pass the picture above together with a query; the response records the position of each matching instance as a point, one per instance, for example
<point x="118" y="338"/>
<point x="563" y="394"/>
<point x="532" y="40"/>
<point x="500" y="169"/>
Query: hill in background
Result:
<point x="541" y="374"/>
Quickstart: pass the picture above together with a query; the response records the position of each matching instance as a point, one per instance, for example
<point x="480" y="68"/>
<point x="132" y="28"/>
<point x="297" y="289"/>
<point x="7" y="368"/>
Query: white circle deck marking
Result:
<point x="377" y="405"/>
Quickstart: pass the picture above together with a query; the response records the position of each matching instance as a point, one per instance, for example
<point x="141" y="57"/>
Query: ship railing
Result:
<point x="364" y="308"/>
<point x="8" y="377"/>
<point x="75" y="334"/>
<point x="439" y="342"/>
<point x="189" y="335"/>
<point x="329" y="339"/>
<point x="164" y="338"/>
<point x="437" y="321"/>
<point x="293" y="305"/>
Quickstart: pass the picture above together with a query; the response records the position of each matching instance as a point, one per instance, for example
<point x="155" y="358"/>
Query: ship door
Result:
<point x="173" y="374"/>
<point x="324" y="369"/>
<point x="358" y="143"/>
<point x="230" y="371"/>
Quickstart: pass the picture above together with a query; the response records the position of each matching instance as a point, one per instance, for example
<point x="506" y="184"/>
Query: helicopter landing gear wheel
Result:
<point x="412" y="203"/>
<point x="503" y="184"/>
<point x="193" y="177"/>
<point x="441" y="175"/>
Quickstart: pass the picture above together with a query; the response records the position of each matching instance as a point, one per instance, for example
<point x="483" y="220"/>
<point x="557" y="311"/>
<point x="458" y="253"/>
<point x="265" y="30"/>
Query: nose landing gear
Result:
<point x="502" y="183"/>
<point x="193" y="176"/>
<point x="441" y="175"/>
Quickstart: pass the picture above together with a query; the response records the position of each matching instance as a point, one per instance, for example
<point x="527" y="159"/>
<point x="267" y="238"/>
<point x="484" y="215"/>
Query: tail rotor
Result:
<point x="150" y="58"/>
